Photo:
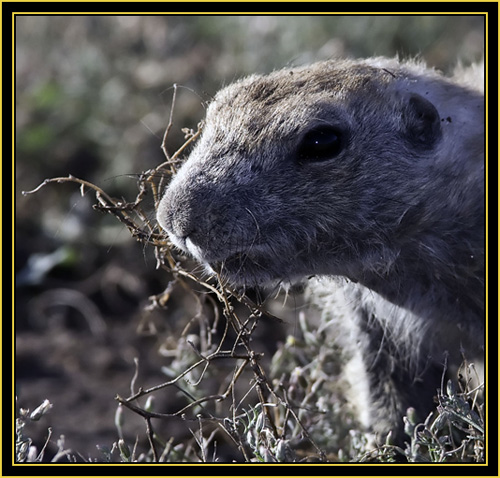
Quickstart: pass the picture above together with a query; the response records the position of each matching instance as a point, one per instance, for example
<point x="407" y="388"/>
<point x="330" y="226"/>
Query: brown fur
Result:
<point x="393" y="201"/>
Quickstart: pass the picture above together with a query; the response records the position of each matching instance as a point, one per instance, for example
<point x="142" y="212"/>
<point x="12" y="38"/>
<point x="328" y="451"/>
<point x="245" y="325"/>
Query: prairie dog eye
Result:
<point x="320" y="144"/>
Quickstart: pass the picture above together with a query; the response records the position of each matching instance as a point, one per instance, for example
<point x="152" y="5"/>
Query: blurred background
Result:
<point x="93" y="98"/>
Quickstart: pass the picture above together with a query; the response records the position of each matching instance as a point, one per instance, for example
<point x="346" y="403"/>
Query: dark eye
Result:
<point x="322" y="143"/>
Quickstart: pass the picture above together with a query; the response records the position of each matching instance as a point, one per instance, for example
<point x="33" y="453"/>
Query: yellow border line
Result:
<point x="14" y="14"/>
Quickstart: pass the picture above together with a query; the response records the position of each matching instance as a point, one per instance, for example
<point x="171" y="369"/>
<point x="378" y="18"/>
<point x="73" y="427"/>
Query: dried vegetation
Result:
<point x="237" y="404"/>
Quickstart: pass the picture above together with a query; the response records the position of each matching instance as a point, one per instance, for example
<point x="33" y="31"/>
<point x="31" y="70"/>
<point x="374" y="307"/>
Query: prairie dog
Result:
<point x="371" y="171"/>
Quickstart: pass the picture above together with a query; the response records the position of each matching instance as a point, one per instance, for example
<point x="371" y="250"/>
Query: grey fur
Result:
<point x="398" y="210"/>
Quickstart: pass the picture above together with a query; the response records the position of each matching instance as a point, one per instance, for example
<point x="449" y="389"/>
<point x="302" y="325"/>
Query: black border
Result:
<point x="172" y="8"/>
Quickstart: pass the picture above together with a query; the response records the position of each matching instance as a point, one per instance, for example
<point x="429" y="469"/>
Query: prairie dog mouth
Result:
<point x="244" y="269"/>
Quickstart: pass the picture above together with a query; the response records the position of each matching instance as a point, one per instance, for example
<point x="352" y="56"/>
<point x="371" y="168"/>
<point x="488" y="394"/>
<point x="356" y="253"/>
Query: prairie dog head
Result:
<point x="333" y="168"/>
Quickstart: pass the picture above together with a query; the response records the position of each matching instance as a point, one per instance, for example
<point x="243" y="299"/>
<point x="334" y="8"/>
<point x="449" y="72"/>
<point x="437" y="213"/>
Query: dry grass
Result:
<point x="237" y="404"/>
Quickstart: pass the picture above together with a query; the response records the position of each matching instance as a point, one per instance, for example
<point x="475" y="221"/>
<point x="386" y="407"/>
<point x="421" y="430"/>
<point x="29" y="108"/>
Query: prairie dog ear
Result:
<point x="421" y="119"/>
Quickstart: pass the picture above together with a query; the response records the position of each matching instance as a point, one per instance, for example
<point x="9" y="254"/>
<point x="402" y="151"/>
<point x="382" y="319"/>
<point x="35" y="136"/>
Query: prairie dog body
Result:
<point x="371" y="171"/>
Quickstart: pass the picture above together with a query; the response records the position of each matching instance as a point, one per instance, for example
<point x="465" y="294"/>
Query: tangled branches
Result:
<point x="253" y="413"/>
<point x="238" y="404"/>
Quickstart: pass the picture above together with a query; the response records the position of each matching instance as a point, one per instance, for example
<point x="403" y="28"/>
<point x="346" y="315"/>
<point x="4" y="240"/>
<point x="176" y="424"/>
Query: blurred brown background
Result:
<point x="93" y="97"/>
